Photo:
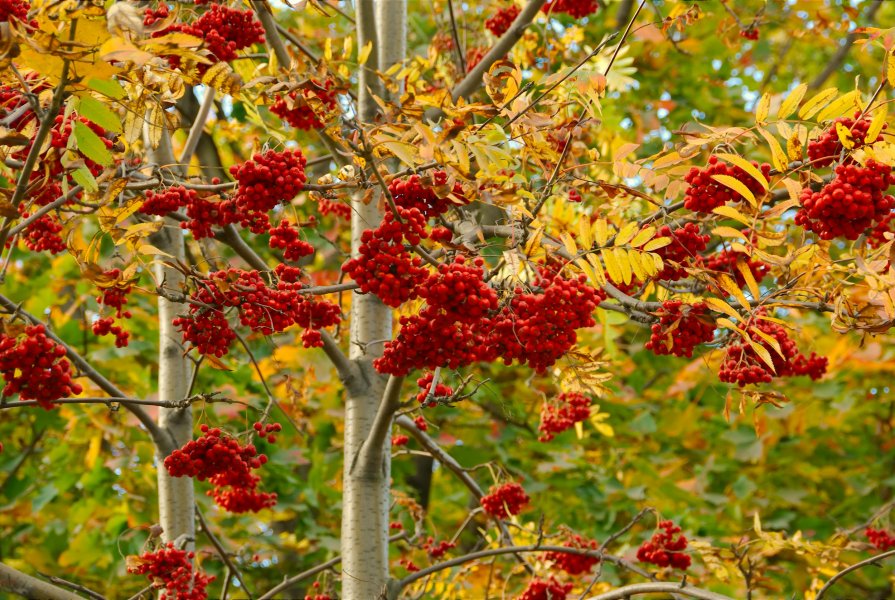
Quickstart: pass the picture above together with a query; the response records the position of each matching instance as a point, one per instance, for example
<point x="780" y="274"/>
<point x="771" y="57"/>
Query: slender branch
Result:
<point x="195" y="134"/>
<point x="474" y="78"/>
<point x="870" y="561"/>
<point x="74" y="586"/>
<point x="27" y="586"/>
<point x="461" y="60"/>
<point x="221" y="552"/>
<point x="301" y="576"/>
<point x="40" y="212"/>
<point x="107" y="401"/>
<point x="839" y="57"/>
<point x="271" y="34"/>
<point x="657" y="587"/>
<point x="164" y="443"/>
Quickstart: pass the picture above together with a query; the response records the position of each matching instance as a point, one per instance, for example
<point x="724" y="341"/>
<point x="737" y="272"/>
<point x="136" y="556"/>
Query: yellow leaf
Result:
<point x="722" y="306"/>
<point x="732" y="213"/>
<point x="579" y="430"/>
<point x="792" y="101"/>
<point x="762" y="108"/>
<point x="728" y="232"/>
<point x="794" y="147"/>
<point x="728" y="324"/>
<point x="729" y="285"/>
<point x="769" y="339"/>
<point x="890" y="67"/>
<point x="364" y="53"/>
<point x="585" y="234"/>
<point x="747" y="166"/>
<point x="404" y="151"/>
<point x="737" y="186"/>
<point x="599" y="272"/>
<point x="794" y="188"/>
<point x="615" y="273"/>
<point x="763" y="354"/>
<point x="655" y="244"/>
<point x="845" y="136"/>
<point x="746" y="272"/>
<point x="652" y="263"/>
<point x="636" y="265"/>
<point x="621" y="259"/>
<point x="601" y="232"/>
<point x="845" y="104"/>
<point x="645" y="235"/>
<point x="778" y="158"/>
<point x="817" y="102"/>
<point x="93" y="449"/>
<point x="672" y="158"/>
<point x="876" y="125"/>
<point x="328" y="49"/>
<point x="626" y="234"/>
<point x="568" y="243"/>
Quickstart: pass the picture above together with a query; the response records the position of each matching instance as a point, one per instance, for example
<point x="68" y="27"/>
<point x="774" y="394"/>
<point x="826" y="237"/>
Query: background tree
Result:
<point x="547" y="299"/>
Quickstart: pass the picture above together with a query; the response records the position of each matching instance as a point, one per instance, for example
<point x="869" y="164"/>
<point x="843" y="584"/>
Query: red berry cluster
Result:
<point x="685" y="247"/>
<point x="437" y="550"/>
<point x="227" y="465"/>
<point x="546" y="589"/>
<point x="106" y="326"/>
<point x="35" y="367"/>
<point x="825" y="149"/>
<point x="850" y="203"/>
<point x="502" y="19"/>
<point x="298" y="107"/>
<point x="575" y="564"/>
<point x="262" y="308"/>
<point x="43" y="234"/>
<point x="877" y="236"/>
<point x="505" y="500"/>
<point x="341" y="210"/>
<point x="317" y="596"/>
<point x="574" y="196"/>
<point x="440" y="393"/>
<point x="203" y="214"/>
<point x="750" y="33"/>
<point x="409" y="565"/>
<point x="562" y="414"/>
<point x="171" y="569"/>
<point x="663" y="550"/>
<point x="16" y="9"/>
<point x="265" y="181"/>
<point x="224" y="30"/>
<point x="742" y="365"/>
<point x="704" y="194"/>
<point x="573" y="8"/>
<point x="882" y="539"/>
<point x="166" y="201"/>
<point x="400" y="440"/>
<point x="267" y="431"/>
<point x="681" y="328"/>
<point x="383" y="266"/>
<point x="414" y="192"/>
<point x="474" y="55"/>
<point x="726" y="261"/>
<point x="286" y="237"/>
<point x="115" y="296"/>
<point x="421" y="424"/>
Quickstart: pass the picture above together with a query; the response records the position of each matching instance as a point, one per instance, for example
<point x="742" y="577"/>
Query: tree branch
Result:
<point x="27" y="586"/>
<point x="262" y="9"/>
<point x="370" y="455"/>
<point x="197" y="129"/>
<point x="870" y="561"/>
<point x="656" y="587"/>
<point x="221" y="552"/>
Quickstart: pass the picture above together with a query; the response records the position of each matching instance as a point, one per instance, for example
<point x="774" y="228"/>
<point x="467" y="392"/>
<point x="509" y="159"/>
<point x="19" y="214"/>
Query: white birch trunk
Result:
<point x="365" y="499"/>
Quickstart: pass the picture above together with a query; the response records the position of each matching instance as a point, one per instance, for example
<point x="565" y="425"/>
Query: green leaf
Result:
<point x="99" y="113"/>
<point x="91" y="145"/>
<point x="107" y="87"/>
<point x="85" y="179"/>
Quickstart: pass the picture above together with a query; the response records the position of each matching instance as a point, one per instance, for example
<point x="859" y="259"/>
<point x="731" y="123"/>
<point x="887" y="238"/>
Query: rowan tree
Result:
<point x="535" y="299"/>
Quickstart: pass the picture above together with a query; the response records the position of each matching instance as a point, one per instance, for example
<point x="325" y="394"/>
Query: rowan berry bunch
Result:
<point x="848" y="204"/>
<point x="750" y="33"/>
<point x="383" y="266"/>
<point x="458" y="292"/>
<point x="877" y="236"/>
<point x="826" y="148"/>
<point x="421" y="424"/>
<point x="400" y="440"/>
<point x="664" y="549"/>
<point x="474" y="55"/>
<point x="880" y="538"/>
<point x="437" y="549"/>
<point x="685" y="248"/>
<point x="224" y="30"/>
<point x="573" y="8"/>
<point x="429" y="397"/>
<point x="420" y="193"/>
<point x="34" y="367"/>
<point x="298" y="106"/>
<point x="106" y="326"/>
<point x="227" y="465"/>
<point x="340" y="210"/>
<point x="317" y="596"/>
<point x="681" y="328"/>
<point x="704" y="194"/>
<point x="264" y="182"/>
<point x="286" y="237"/>
<point x="575" y="564"/>
<point x="170" y="569"/>
<point x="505" y="500"/>
<point x="546" y="589"/>
<point x="16" y="9"/>
<point x="562" y="414"/>
<point x="742" y="364"/>
<point x="267" y="431"/>
<point x="726" y="261"/>
<point x="500" y="22"/>
<point x="43" y="234"/>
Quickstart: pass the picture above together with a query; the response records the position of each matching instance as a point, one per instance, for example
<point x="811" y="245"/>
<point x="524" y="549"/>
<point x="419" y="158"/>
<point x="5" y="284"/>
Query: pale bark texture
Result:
<point x="175" y="494"/>
<point x="19" y="583"/>
<point x="365" y="500"/>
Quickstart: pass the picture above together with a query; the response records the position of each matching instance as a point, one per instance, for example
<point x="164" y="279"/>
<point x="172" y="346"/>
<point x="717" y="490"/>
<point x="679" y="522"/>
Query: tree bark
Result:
<point x="365" y="500"/>
<point x="176" y="497"/>
<point x="27" y="586"/>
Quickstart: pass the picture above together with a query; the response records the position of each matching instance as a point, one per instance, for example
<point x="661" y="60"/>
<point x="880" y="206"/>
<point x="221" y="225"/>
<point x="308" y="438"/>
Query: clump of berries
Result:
<point x="170" y="569"/>
<point x="743" y="365"/>
<point x="880" y="538"/>
<point x="429" y="396"/>
<point x="264" y="182"/>
<point x="664" y="549"/>
<point x="850" y="203"/>
<point x="704" y="194"/>
<point x="505" y="500"/>
<point x="727" y="261"/>
<point x="400" y="440"/>
<point x="227" y="465"/>
<point x="750" y="33"/>
<point x="437" y="549"/>
<point x="430" y="195"/>
<point x="573" y="8"/>
<point x="877" y="236"/>
<point x="575" y="564"/>
<point x="546" y="589"/>
<point x="300" y="108"/>
<point x="500" y="22"/>
<point x="562" y="414"/>
<point x="681" y="328"/>
<point x="34" y="367"/>
<point x="286" y="237"/>
<point x="685" y="248"/>
<point x="826" y="148"/>
<point x="202" y="213"/>
<point x="114" y="294"/>
<point x="16" y="9"/>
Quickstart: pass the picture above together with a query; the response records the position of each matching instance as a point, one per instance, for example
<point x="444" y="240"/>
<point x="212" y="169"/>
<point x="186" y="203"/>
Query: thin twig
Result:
<point x="870" y="561"/>
<point x="221" y="552"/>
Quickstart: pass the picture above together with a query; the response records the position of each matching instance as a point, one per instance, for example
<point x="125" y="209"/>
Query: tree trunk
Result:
<point x="365" y="499"/>
<point x="175" y="494"/>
